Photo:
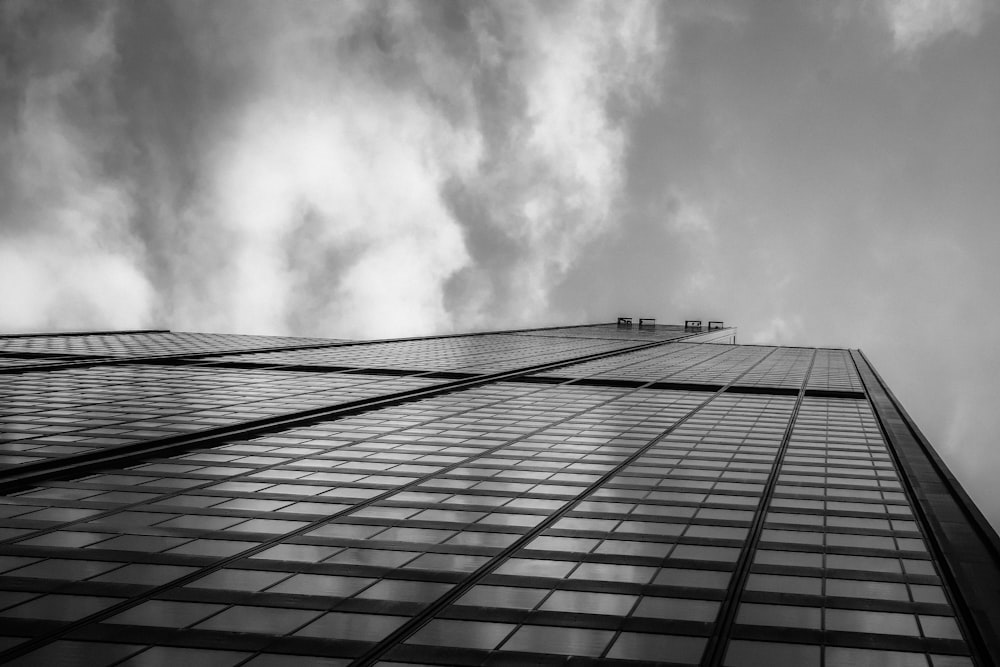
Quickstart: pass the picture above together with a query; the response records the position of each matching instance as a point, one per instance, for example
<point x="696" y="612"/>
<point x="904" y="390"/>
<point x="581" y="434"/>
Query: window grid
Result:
<point x="62" y="413"/>
<point x="785" y="368"/>
<point x="654" y="364"/>
<point x="614" y="332"/>
<point x="842" y="570"/>
<point x="693" y="363"/>
<point x="145" y="344"/>
<point x="643" y="562"/>
<point x="323" y="539"/>
<point x="139" y="519"/>
<point x="473" y="354"/>
<point x="834" y="370"/>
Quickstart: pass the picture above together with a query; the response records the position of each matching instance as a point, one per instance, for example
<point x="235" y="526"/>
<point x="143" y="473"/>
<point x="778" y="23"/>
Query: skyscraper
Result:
<point x="619" y="493"/>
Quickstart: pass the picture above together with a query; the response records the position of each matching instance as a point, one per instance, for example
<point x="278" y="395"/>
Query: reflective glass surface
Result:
<point x="612" y="508"/>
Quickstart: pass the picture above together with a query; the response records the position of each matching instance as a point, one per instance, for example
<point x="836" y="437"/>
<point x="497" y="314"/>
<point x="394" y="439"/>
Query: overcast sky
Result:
<point x="817" y="173"/>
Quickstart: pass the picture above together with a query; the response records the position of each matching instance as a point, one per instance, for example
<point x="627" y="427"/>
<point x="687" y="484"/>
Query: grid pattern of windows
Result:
<point x="724" y="368"/>
<point x="368" y="519"/>
<point x="146" y="344"/>
<point x="636" y="569"/>
<point x="62" y="413"/>
<point x="708" y="364"/>
<point x="729" y="517"/>
<point x="20" y="362"/>
<point x="841" y="569"/>
<point x="651" y="365"/>
<point x="472" y="354"/>
<point x="786" y="367"/>
<point x="646" y="332"/>
<point x="689" y="363"/>
<point x="834" y="370"/>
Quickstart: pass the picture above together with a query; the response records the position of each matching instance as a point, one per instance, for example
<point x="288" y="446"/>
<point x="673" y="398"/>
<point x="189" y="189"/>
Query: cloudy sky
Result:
<point x="817" y="173"/>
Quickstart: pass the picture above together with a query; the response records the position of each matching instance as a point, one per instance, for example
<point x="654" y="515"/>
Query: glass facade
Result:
<point x="643" y="498"/>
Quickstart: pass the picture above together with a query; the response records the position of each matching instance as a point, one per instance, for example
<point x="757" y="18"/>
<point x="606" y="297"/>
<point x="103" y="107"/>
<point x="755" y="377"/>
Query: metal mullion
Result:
<point x="666" y="354"/>
<point x="258" y="427"/>
<point x="189" y="393"/>
<point x="719" y="640"/>
<point x="27" y="473"/>
<point x="85" y="333"/>
<point x="666" y="378"/>
<point x="208" y="482"/>
<point x="138" y="382"/>
<point x="87" y="362"/>
<point x="730" y="349"/>
<point x="410" y="627"/>
<point x="977" y="610"/>
<point x="216" y="480"/>
<point x="646" y="384"/>
<point x="82" y="361"/>
<point x="26" y="647"/>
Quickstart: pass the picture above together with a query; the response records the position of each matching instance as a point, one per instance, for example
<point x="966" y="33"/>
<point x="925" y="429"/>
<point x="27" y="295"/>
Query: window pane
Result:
<point x="503" y="596"/>
<point x="462" y="634"/>
<point x="741" y="653"/>
<point x="564" y="641"/>
<point x="677" y="609"/>
<point x="642" y="646"/>
<point x="590" y="603"/>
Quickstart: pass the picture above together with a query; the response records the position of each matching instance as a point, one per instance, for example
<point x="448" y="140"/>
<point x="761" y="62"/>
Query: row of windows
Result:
<point x="785" y="367"/>
<point x="840" y="531"/>
<point x="724" y="368"/>
<point x="43" y="421"/>
<point x="479" y="354"/>
<point x="379" y="515"/>
<point x="653" y="364"/>
<point x="834" y="369"/>
<point x="336" y="545"/>
<point x="634" y="646"/>
<point x="12" y="362"/>
<point x="146" y="344"/>
<point x="613" y="331"/>
<point x="747" y="653"/>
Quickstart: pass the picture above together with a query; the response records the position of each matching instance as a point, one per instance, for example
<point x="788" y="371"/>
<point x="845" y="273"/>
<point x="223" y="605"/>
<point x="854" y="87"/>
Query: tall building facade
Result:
<point x="617" y="494"/>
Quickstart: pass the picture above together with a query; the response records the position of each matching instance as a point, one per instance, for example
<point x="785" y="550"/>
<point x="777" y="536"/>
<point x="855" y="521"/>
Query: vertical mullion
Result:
<point x="415" y="623"/>
<point x="716" y="650"/>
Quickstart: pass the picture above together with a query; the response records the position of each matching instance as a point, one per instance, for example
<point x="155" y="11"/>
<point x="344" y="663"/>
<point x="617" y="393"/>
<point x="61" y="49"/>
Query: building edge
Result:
<point x="55" y="334"/>
<point x="964" y="543"/>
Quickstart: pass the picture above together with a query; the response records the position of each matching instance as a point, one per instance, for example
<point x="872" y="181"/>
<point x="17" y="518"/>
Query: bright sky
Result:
<point x="816" y="173"/>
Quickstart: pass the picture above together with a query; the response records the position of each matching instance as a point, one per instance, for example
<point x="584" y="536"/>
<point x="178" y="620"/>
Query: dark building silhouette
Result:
<point x="623" y="494"/>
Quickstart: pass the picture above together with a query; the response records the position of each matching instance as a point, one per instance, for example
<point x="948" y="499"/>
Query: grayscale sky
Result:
<point x="816" y="172"/>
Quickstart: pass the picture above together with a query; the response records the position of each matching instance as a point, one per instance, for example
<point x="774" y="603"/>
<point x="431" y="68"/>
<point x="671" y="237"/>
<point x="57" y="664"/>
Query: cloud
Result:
<point x="324" y="202"/>
<point x="67" y="254"/>
<point x="691" y="226"/>
<point x="916" y="23"/>
<point x="553" y="175"/>
<point x="349" y="169"/>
